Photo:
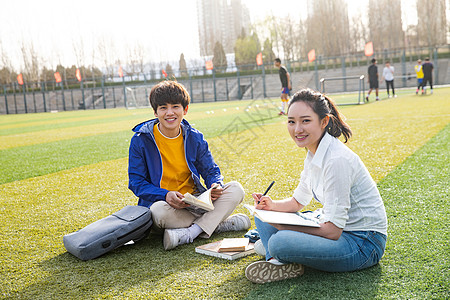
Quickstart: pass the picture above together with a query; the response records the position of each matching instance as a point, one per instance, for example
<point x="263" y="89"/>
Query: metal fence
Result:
<point x="233" y="83"/>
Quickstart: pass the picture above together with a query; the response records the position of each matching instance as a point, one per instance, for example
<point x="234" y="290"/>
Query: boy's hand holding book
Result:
<point x="173" y="198"/>
<point x="216" y="191"/>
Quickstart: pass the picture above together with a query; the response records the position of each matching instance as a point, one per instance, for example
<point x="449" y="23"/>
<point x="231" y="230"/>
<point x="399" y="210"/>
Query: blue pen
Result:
<point x="268" y="189"/>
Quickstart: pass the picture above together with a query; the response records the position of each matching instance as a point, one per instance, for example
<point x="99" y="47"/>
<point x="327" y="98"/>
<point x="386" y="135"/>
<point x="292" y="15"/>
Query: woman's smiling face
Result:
<point x="304" y="125"/>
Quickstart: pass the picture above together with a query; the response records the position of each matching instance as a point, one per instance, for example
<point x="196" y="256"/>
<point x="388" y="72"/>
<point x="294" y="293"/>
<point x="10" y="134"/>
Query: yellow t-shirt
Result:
<point x="419" y="71"/>
<point x="176" y="174"/>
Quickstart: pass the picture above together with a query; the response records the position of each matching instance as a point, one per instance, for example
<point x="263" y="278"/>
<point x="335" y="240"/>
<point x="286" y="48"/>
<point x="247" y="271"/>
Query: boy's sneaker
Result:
<point x="259" y="248"/>
<point x="377" y="99"/>
<point x="431" y="91"/>
<point x="175" y="237"/>
<point x="235" y="222"/>
<point x="265" y="271"/>
<point x="395" y="96"/>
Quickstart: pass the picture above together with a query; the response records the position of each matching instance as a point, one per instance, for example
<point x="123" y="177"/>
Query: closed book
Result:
<point x="234" y="245"/>
<point x="212" y="249"/>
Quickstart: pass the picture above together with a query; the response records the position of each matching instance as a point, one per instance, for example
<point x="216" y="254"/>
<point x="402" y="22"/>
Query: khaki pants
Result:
<point x="165" y="216"/>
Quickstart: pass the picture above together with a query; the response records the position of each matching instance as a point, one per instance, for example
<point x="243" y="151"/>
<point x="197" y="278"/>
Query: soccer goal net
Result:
<point x="137" y="97"/>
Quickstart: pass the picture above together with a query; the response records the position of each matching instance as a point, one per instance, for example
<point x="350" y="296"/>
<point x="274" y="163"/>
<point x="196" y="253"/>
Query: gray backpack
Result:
<point x="102" y="236"/>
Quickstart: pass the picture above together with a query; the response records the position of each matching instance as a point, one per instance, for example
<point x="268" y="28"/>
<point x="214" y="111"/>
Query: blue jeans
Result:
<point x="354" y="250"/>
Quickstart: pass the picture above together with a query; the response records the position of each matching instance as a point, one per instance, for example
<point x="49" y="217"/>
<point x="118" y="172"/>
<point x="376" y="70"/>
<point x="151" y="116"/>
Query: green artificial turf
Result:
<point x="81" y="183"/>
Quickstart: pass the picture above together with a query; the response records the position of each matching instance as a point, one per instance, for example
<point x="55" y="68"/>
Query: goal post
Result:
<point x="357" y="84"/>
<point x="137" y="97"/>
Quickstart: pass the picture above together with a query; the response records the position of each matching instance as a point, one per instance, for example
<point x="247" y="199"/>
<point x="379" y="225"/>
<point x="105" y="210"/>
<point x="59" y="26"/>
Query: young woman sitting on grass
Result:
<point x="353" y="224"/>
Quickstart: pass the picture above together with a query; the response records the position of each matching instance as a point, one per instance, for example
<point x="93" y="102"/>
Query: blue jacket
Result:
<point x="145" y="164"/>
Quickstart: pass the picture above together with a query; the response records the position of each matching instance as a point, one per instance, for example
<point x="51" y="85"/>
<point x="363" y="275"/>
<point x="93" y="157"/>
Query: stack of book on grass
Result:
<point x="231" y="249"/>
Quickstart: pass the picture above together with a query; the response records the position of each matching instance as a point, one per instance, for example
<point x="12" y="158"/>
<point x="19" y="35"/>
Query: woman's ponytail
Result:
<point x="336" y="125"/>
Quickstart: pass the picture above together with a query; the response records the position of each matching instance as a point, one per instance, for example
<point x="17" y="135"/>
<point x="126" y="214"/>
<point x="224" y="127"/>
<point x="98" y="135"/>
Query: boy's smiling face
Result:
<point x="170" y="117"/>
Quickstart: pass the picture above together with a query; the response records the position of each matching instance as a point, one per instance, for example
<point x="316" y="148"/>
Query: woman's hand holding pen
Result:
<point x="262" y="202"/>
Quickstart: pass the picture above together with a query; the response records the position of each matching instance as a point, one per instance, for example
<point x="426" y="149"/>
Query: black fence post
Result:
<point x="344" y="73"/>
<point x="114" y="96"/>
<point x="15" y="101"/>
<point x="71" y="99"/>
<point x="82" y="94"/>
<point x="25" y="97"/>
<point x="43" y="95"/>
<point x="34" y="101"/>
<point x="226" y="88"/>
<point x="203" y="93"/>
<point x="190" y="87"/>
<point x="214" y="83"/>
<point x="436" y="67"/>
<point x="62" y="94"/>
<point x="6" y="100"/>
<point x="239" y="83"/>
<point x="124" y="93"/>
<point x="103" y="91"/>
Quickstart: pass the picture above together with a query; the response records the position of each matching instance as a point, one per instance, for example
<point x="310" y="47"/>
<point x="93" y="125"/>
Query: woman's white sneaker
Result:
<point x="264" y="271"/>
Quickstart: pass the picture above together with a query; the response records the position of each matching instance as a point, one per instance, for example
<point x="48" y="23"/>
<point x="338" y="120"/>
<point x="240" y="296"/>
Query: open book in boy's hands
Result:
<point x="203" y="201"/>
<point x="276" y="217"/>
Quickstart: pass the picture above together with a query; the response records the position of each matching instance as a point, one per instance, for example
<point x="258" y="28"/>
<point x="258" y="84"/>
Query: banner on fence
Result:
<point x="368" y="49"/>
<point x="209" y="65"/>
<point x="57" y="77"/>
<point x="259" y="59"/>
<point x="20" y="79"/>
<point x="164" y="73"/>
<point x="78" y="74"/>
<point x="312" y="55"/>
<point x="120" y="71"/>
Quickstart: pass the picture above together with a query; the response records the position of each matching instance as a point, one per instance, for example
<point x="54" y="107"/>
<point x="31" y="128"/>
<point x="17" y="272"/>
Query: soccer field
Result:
<point x="62" y="171"/>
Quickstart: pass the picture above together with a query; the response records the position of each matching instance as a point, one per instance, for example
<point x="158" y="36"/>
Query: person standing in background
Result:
<point x="285" y="79"/>
<point x="427" y="75"/>
<point x="373" y="79"/>
<point x="388" y="75"/>
<point x="419" y="73"/>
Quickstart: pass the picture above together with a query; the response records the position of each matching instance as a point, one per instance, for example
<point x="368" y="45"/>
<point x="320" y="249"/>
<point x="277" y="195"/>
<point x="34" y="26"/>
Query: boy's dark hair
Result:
<point x="427" y="59"/>
<point x="277" y="60"/>
<point x="168" y="91"/>
<point x="373" y="60"/>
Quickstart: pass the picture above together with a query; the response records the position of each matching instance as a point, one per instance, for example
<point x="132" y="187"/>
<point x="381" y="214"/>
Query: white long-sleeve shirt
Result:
<point x="388" y="73"/>
<point x="337" y="178"/>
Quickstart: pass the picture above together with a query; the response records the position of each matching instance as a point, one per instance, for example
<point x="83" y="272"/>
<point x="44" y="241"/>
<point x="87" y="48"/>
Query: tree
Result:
<point x="358" y="34"/>
<point x="267" y="53"/>
<point x="47" y="74"/>
<point x="182" y="66"/>
<point x="7" y="73"/>
<point x="135" y="59"/>
<point x="219" y="58"/>
<point x="31" y="62"/>
<point x="432" y="24"/>
<point x="107" y="54"/>
<point x="328" y="27"/>
<point x="246" y="49"/>
<point x="385" y="24"/>
<point x="169" y="70"/>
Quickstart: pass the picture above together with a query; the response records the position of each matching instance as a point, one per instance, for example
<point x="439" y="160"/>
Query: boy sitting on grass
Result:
<point x="166" y="159"/>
